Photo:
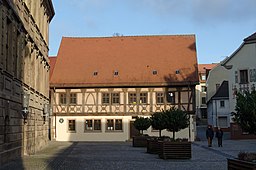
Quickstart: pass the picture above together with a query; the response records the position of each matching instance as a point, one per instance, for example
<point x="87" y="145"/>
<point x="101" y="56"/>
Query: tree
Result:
<point x="176" y="120"/>
<point x="245" y="116"/>
<point x="142" y="123"/>
<point x="158" y="121"/>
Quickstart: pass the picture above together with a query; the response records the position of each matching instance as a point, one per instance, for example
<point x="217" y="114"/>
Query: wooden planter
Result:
<point x="174" y="150"/>
<point x="153" y="146"/>
<point x="139" y="141"/>
<point x="236" y="164"/>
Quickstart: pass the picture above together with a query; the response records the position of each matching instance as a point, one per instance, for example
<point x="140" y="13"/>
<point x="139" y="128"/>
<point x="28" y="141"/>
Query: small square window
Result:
<point x="95" y="73"/>
<point x="116" y="73"/>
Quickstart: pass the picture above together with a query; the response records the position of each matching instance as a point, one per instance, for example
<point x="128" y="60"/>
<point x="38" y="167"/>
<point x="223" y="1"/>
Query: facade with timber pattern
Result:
<point x="100" y="85"/>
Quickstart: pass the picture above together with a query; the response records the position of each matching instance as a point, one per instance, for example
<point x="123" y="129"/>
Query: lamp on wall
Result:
<point x="25" y="106"/>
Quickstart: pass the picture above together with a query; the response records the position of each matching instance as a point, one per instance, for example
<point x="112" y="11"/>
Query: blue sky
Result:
<point x="219" y="25"/>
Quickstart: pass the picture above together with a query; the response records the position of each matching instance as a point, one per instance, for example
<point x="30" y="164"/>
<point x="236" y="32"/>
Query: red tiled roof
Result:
<point x="52" y="63"/>
<point x="133" y="57"/>
<point x="203" y="67"/>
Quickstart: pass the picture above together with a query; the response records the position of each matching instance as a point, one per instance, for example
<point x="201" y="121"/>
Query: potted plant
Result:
<point x="176" y="120"/>
<point x="245" y="117"/>
<point x="141" y="124"/>
<point x="158" y="123"/>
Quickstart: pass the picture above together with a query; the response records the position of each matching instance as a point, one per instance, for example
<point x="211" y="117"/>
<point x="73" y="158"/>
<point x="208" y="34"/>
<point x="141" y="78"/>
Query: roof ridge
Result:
<point x="167" y="35"/>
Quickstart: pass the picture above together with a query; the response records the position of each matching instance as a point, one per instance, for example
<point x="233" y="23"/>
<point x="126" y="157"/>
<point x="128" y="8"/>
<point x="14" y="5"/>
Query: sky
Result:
<point x="219" y="25"/>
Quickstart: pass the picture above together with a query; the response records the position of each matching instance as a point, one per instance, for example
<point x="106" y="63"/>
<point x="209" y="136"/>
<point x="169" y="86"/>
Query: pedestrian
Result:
<point x="219" y="135"/>
<point x="209" y="135"/>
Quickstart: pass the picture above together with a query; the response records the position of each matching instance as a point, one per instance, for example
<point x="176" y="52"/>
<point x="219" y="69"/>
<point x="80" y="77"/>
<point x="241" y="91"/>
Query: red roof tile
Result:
<point x="52" y="63"/>
<point x="133" y="57"/>
<point x="203" y="67"/>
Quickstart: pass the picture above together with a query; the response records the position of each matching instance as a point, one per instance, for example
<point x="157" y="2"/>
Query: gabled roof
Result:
<point x="52" y="63"/>
<point x="250" y="39"/>
<point x="91" y="62"/>
<point x="222" y="92"/>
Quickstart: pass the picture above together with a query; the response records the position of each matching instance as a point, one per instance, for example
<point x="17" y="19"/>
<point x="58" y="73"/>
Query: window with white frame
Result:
<point x="114" y="125"/>
<point x="115" y="98"/>
<point x="105" y="98"/>
<point x="143" y="98"/>
<point x="243" y="76"/>
<point x="73" y="97"/>
<point x="72" y="125"/>
<point x="132" y="98"/>
<point x="92" y="125"/>
<point x="159" y="97"/>
<point x="203" y="88"/>
<point x="63" y="98"/>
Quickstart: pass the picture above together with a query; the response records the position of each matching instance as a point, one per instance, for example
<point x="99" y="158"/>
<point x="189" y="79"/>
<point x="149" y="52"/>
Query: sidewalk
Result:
<point x="121" y="155"/>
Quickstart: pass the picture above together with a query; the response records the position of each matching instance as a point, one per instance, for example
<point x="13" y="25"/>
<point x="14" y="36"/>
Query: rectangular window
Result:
<point x="132" y="98"/>
<point x="97" y="124"/>
<point x="63" y="98"/>
<point x="243" y="76"/>
<point x="110" y="124"/>
<point x="118" y="124"/>
<point x="73" y="98"/>
<point x="203" y="88"/>
<point x="203" y="77"/>
<point x="203" y="100"/>
<point x="114" y="124"/>
<point x="159" y="98"/>
<point x="170" y="97"/>
<point x="72" y="125"/>
<point x="222" y="103"/>
<point x="88" y="124"/>
<point x="115" y="98"/>
<point x="143" y="98"/>
<point x="105" y="98"/>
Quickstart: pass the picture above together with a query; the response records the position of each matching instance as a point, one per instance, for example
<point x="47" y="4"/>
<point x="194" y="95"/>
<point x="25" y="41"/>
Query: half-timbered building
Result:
<point x="100" y="85"/>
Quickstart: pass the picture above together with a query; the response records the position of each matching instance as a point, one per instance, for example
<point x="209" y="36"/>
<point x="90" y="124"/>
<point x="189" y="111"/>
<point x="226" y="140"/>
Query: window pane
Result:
<point x="118" y="124"/>
<point x="110" y="124"/>
<point x="170" y="97"/>
<point x="160" y="98"/>
<point x="71" y="125"/>
<point x="243" y="76"/>
<point x="203" y="88"/>
<point x="72" y="98"/>
<point x="97" y="124"/>
<point x="143" y="98"/>
<point x="63" y="99"/>
<point x="115" y="98"/>
<point x="88" y="124"/>
<point x="105" y="98"/>
<point x="132" y="98"/>
<point x="222" y="103"/>
<point x="203" y="100"/>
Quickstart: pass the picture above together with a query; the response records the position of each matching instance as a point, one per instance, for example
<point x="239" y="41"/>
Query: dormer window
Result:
<point x="95" y="73"/>
<point x="116" y="73"/>
<point x="154" y="72"/>
<point x="177" y="71"/>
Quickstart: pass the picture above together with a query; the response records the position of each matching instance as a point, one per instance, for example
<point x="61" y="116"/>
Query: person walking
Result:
<point x="219" y="135"/>
<point x="209" y="135"/>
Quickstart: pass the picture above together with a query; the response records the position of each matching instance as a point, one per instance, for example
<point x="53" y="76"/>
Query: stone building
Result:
<point x="24" y="76"/>
<point x="100" y="85"/>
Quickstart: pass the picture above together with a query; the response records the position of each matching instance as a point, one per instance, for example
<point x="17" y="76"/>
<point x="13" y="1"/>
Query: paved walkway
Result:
<point x="121" y="155"/>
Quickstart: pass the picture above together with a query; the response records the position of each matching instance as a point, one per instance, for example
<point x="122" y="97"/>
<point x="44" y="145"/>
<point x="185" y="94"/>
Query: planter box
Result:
<point x="153" y="146"/>
<point x="236" y="164"/>
<point x="139" y="141"/>
<point x="174" y="150"/>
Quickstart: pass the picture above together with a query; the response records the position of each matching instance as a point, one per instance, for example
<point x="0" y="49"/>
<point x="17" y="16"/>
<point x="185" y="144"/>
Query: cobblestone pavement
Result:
<point x="121" y="155"/>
